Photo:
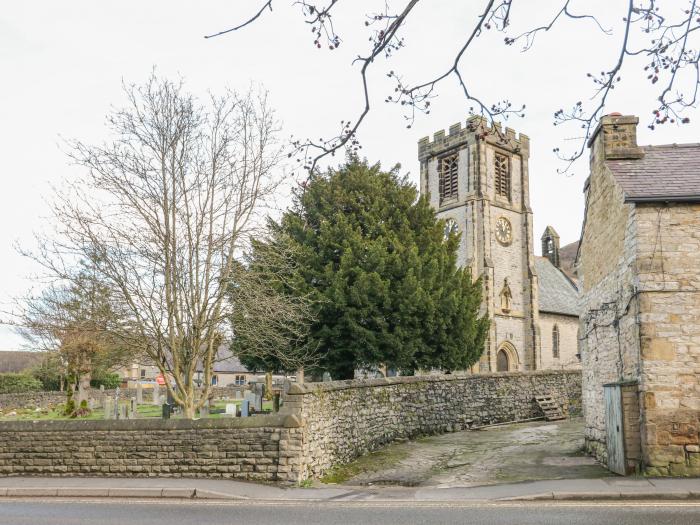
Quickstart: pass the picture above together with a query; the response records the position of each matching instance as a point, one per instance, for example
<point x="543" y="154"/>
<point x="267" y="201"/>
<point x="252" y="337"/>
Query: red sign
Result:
<point x="160" y="379"/>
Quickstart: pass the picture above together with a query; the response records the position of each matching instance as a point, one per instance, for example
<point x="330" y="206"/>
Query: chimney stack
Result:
<point x="615" y="138"/>
<point x="550" y="246"/>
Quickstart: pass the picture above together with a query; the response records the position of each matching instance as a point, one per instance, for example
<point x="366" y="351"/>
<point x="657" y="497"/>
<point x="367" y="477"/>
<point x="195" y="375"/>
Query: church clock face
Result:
<point x="450" y="227"/>
<point x="504" y="231"/>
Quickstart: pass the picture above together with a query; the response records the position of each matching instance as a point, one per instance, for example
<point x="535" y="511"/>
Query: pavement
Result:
<point x="609" y="488"/>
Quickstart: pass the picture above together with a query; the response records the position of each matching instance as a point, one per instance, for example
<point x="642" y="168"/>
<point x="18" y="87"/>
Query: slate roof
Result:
<point x="18" y="361"/>
<point x="226" y="362"/>
<point x="665" y="173"/>
<point x="557" y="292"/>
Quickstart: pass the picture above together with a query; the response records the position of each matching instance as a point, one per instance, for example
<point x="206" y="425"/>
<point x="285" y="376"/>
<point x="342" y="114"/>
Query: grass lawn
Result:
<point x="144" y="411"/>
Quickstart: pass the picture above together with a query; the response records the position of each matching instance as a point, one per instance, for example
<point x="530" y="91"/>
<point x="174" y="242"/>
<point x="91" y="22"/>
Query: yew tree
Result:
<point x="383" y="275"/>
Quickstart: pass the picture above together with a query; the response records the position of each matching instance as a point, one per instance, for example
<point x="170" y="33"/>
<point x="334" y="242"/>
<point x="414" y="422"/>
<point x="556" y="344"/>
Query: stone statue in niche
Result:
<point x="506" y="296"/>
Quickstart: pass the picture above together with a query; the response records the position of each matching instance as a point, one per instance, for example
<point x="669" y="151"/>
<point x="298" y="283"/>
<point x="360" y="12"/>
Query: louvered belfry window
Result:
<point x="502" y="168"/>
<point x="447" y="171"/>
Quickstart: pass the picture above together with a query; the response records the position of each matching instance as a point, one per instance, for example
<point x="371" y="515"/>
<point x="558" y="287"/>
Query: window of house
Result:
<point x="143" y="373"/>
<point x="239" y="380"/>
<point x="502" y="168"/>
<point x="555" y="341"/>
<point x="214" y="380"/>
<point x="447" y="172"/>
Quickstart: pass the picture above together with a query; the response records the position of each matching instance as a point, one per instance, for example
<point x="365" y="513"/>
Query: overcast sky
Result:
<point x="63" y="62"/>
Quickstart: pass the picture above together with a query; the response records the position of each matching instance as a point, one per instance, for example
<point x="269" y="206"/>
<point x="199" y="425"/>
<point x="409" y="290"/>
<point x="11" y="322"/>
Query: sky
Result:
<point x="63" y="64"/>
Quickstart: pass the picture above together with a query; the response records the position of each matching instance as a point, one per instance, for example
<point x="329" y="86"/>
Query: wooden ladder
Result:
<point x="550" y="408"/>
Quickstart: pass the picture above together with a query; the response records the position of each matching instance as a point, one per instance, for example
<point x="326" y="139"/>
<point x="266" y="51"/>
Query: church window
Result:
<point x="502" y="169"/>
<point x="447" y="171"/>
<point x="555" y="341"/>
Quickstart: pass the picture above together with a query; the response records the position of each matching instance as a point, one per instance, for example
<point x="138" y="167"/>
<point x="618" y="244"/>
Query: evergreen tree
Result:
<point x="383" y="275"/>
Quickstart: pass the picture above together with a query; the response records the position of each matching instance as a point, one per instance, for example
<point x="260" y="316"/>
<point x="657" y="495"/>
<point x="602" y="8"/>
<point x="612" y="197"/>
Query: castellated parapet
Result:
<point x="475" y="127"/>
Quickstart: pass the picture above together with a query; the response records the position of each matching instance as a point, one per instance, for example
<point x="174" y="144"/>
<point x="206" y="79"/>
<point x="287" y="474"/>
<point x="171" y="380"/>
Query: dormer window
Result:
<point x="502" y="169"/>
<point x="447" y="173"/>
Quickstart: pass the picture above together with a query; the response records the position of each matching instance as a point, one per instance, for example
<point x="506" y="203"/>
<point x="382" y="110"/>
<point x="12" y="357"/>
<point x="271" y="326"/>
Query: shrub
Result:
<point x="109" y="381"/>
<point x="17" y="383"/>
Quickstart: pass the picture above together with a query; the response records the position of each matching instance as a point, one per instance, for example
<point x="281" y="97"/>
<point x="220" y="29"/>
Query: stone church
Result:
<point x="478" y="181"/>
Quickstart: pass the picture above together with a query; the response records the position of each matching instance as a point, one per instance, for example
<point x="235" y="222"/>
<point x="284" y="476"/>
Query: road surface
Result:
<point x="179" y="512"/>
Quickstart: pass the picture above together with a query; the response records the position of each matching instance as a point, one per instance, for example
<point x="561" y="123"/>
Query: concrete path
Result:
<point x="141" y="488"/>
<point x="494" y="455"/>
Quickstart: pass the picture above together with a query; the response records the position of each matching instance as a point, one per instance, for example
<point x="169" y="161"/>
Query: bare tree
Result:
<point x="663" y="32"/>
<point x="272" y="315"/>
<point x="74" y="321"/>
<point x="162" y="213"/>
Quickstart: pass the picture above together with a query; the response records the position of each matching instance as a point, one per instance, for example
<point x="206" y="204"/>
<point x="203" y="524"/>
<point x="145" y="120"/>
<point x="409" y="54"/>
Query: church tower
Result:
<point x="477" y="180"/>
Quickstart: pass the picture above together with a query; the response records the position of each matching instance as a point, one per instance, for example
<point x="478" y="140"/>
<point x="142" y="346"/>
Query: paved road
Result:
<point x="16" y="512"/>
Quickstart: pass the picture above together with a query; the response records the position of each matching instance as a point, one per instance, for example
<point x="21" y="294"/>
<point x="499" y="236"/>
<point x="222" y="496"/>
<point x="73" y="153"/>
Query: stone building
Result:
<point x="639" y="265"/>
<point x="478" y="181"/>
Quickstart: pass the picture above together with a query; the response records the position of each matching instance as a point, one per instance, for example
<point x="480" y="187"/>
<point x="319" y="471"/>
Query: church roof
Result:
<point x="665" y="173"/>
<point x="557" y="292"/>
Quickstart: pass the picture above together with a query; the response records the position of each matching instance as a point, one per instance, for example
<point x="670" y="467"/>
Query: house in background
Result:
<point x="639" y="265"/>
<point x="228" y="371"/>
<point x="16" y="361"/>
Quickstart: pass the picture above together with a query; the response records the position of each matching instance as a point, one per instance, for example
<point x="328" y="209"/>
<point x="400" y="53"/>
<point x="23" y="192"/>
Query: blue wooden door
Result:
<point x="614" y="429"/>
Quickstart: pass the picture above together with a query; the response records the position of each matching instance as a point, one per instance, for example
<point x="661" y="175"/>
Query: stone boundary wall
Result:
<point x="262" y="448"/>
<point x="345" y="419"/>
<point x="320" y="425"/>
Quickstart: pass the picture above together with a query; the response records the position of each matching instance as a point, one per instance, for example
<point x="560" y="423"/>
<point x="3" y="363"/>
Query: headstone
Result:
<point x="102" y="389"/>
<point x="92" y="404"/>
<point x="109" y="408"/>
<point x="133" y="408"/>
<point x="169" y="397"/>
<point x="239" y="395"/>
<point x="231" y="409"/>
<point x="166" y="411"/>
<point x="204" y="410"/>
<point x="156" y="394"/>
<point x="139" y="393"/>
<point x="276" y="403"/>
<point x="259" y="393"/>
<point x="124" y="411"/>
<point x="326" y="377"/>
<point x="116" y="403"/>
<point x="245" y="405"/>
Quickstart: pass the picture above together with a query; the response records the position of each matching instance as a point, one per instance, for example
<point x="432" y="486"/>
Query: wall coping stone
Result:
<point x="263" y="421"/>
<point x="329" y="386"/>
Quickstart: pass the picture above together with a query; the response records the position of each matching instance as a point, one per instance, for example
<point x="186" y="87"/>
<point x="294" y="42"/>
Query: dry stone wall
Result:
<point x="345" y="419"/>
<point x="262" y="448"/>
<point x="320" y="425"/>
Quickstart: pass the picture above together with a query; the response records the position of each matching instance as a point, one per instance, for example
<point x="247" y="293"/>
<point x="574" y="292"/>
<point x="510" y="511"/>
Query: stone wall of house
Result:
<point x="608" y="330"/>
<point x="345" y="419"/>
<point x="668" y="269"/>
<point x="568" y="341"/>
<point x="262" y="448"/>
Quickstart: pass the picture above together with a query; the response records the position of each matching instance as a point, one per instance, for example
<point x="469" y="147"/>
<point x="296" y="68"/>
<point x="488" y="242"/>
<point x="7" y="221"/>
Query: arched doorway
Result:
<point x="502" y="362"/>
<point x="506" y="358"/>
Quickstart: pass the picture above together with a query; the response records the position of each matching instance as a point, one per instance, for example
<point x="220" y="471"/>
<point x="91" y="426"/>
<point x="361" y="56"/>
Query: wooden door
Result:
<point x="614" y="429"/>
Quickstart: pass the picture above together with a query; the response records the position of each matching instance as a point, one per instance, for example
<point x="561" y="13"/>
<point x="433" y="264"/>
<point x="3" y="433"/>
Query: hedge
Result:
<point x="17" y="383"/>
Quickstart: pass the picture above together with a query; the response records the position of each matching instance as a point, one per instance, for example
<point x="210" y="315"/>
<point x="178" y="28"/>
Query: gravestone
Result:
<point x="231" y="409"/>
<point x="123" y="411"/>
<point x="245" y="405"/>
<point x="139" y="393"/>
<point x="102" y="389"/>
<point x="259" y="392"/>
<point x="204" y="409"/>
<point x="156" y="394"/>
<point x="239" y="395"/>
<point x="326" y="377"/>
<point x="92" y="403"/>
<point x="133" y="408"/>
<point x="109" y="408"/>
<point x="116" y="403"/>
